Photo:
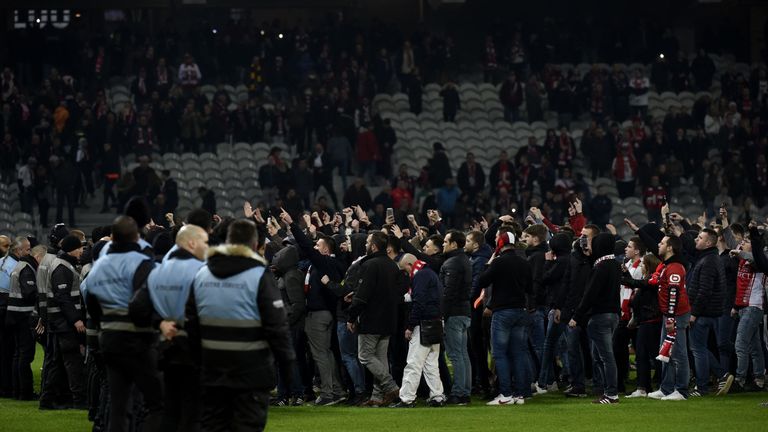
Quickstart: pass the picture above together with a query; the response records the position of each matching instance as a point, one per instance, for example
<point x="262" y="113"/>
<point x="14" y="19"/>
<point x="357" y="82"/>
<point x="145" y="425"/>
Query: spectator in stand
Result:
<point x="451" y="101"/>
<point x="189" y="74"/>
<point x="639" y="87"/>
<point x="415" y="92"/>
<point x="208" y="200"/>
<point x="680" y="72"/>
<point x="439" y="167"/>
<point x="358" y="195"/>
<point x="402" y="199"/>
<point x="447" y="197"/>
<point x="26" y="180"/>
<point x="620" y="93"/>
<point x="654" y="198"/>
<point x="368" y="154"/>
<point x="600" y="208"/>
<point x="63" y="175"/>
<point x="502" y="174"/>
<point x="321" y="173"/>
<point x="471" y="177"/>
<point x="535" y="93"/>
<point x="703" y="69"/>
<point x="624" y="171"/>
<point x="511" y="96"/>
<point x="490" y="61"/>
<point x="340" y="151"/>
<point x="169" y="189"/>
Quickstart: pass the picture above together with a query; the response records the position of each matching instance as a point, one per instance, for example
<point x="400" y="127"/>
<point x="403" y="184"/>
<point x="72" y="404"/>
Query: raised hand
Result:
<point x="285" y="217"/>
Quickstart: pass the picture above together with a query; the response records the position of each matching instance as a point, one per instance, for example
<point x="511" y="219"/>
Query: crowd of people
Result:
<point x="203" y="319"/>
<point x="312" y="86"/>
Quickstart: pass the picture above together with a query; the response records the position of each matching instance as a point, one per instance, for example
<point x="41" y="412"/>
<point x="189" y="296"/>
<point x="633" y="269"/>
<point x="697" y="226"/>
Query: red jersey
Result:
<point x="673" y="297"/>
<point x="653" y="197"/>
<point x="750" y="286"/>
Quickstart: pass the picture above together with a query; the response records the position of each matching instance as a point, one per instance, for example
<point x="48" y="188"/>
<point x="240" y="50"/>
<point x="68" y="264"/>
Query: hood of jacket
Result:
<point x="560" y="244"/>
<point x="540" y="248"/>
<point x="286" y="259"/>
<point x="228" y="260"/>
<point x="602" y="245"/>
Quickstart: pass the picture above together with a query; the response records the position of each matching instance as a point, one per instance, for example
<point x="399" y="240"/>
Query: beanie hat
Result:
<point x="58" y="232"/>
<point x="70" y="243"/>
<point x="508" y="238"/>
<point x="138" y="209"/>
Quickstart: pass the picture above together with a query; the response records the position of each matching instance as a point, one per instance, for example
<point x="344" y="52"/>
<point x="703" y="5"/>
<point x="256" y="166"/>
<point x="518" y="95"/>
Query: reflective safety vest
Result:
<point x="169" y="285"/>
<point x="143" y="244"/>
<point x="15" y="298"/>
<point x="44" y="270"/>
<point x="7" y="264"/>
<point x="111" y="282"/>
<point x="228" y="312"/>
<point x="53" y="308"/>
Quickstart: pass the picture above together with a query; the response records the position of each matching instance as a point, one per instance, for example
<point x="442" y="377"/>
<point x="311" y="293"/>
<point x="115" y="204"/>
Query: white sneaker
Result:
<point x="502" y="400"/>
<point x="637" y="394"/>
<point x="674" y="396"/>
<point x="538" y="390"/>
<point x="519" y="401"/>
<point x="658" y="394"/>
<point x="552" y="387"/>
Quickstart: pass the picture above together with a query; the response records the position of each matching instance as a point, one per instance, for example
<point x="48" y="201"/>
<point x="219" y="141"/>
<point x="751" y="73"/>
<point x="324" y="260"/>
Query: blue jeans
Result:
<point x="600" y="329"/>
<point x="509" y="346"/>
<point x="536" y="336"/>
<point x="348" y="349"/>
<point x="547" y="370"/>
<point x="726" y="338"/>
<point x="748" y="343"/>
<point x="703" y="358"/>
<point x="456" y="330"/>
<point x="676" y="373"/>
<point x="575" y="357"/>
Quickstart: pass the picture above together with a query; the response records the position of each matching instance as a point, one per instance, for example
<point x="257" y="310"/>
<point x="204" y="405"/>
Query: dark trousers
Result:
<point x="124" y="370"/>
<point x="109" y="194"/>
<point x="479" y="350"/>
<point x="6" y="356"/>
<point x="65" y="366"/>
<point x="625" y="188"/>
<point x="621" y="339"/>
<point x="646" y="349"/>
<point x="67" y="195"/>
<point x="233" y="410"/>
<point x="23" y="354"/>
<point x="182" y="399"/>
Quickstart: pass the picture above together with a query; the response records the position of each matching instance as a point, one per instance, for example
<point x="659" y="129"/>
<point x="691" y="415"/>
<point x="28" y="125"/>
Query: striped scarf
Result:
<point x="604" y="258"/>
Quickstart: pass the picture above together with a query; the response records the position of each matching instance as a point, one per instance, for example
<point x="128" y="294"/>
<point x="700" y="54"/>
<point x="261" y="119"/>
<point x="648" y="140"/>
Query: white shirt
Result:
<point x="636" y="84"/>
<point x="189" y="74"/>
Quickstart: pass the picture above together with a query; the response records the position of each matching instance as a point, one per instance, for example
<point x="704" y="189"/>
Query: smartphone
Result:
<point x="390" y="213"/>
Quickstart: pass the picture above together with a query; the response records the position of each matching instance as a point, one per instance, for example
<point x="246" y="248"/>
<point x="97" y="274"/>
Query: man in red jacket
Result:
<point x="673" y="303"/>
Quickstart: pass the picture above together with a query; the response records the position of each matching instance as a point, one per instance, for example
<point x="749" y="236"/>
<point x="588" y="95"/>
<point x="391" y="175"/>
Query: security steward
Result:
<point x="170" y="284"/>
<point x="14" y="251"/>
<point x="66" y="332"/>
<point x="21" y="319"/>
<point x="242" y="324"/>
<point x="128" y="350"/>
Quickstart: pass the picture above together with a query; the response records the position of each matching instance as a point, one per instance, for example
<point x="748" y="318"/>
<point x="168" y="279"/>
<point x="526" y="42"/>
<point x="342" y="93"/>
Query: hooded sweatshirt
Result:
<point x="602" y="292"/>
<point x="290" y="281"/>
<point x="553" y="278"/>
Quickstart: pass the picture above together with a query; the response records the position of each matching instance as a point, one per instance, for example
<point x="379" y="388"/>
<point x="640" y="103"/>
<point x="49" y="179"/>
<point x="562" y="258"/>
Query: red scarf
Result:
<point x="418" y="265"/>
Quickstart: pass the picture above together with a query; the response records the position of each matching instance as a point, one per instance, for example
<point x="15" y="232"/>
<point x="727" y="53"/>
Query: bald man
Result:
<point x="169" y="286"/>
<point x="423" y="332"/>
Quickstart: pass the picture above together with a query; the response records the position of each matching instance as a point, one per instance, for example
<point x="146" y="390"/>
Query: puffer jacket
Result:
<point x="707" y="285"/>
<point x="290" y="281"/>
<point x="456" y="277"/>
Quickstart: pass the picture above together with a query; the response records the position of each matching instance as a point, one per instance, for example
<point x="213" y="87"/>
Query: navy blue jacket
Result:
<point x="426" y="292"/>
<point x="319" y="297"/>
<point x="478" y="259"/>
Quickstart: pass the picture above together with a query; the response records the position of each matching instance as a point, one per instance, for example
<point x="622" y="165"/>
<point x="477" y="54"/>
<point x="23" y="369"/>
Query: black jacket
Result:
<point x="707" y="285"/>
<point x="645" y="303"/>
<point x="379" y="291"/>
<point x="553" y="280"/>
<point x="319" y="297"/>
<point x="248" y="369"/>
<point x="425" y="297"/>
<point x="731" y="267"/>
<point x="536" y="260"/>
<point x="602" y="291"/>
<point x="456" y="277"/>
<point x="512" y="282"/>
<point x="575" y="281"/>
<point x="479" y="259"/>
<point x="435" y="262"/>
<point x="290" y="282"/>
<point x="62" y="283"/>
<point x="346" y="286"/>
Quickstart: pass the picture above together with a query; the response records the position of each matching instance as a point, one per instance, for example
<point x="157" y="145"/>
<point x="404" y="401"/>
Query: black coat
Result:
<point x="645" y="304"/>
<point x="512" y="282"/>
<point x="536" y="260"/>
<point x="575" y="280"/>
<point x="463" y="179"/>
<point x="425" y="297"/>
<point x="601" y="294"/>
<point x="379" y="291"/>
<point x="707" y="285"/>
<point x="456" y="277"/>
